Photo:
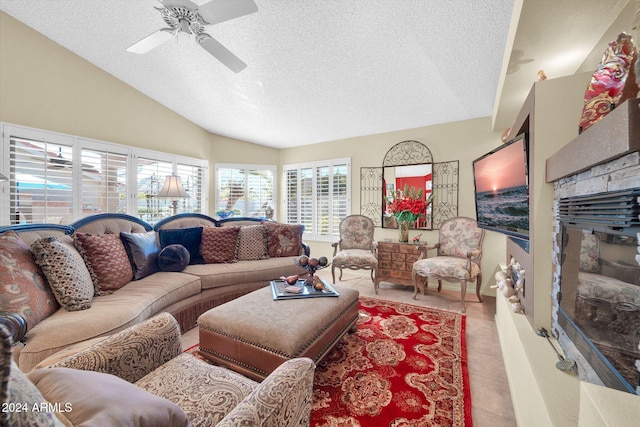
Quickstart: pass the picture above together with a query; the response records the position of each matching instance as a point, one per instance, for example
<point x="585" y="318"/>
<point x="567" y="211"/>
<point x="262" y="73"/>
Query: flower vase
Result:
<point x="404" y="231"/>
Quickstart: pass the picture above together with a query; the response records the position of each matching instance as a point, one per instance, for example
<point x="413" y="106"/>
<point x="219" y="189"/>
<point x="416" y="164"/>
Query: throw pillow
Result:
<point x="188" y="237"/>
<point x="106" y="260"/>
<point x="252" y="243"/>
<point x="98" y="399"/>
<point x="24" y="288"/>
<point x="173" y="258"/>
<point x="143" y="250"/>
<point x="65" y="270"/>
<point x="284" y="239"/>
<point x="219" y="244"/>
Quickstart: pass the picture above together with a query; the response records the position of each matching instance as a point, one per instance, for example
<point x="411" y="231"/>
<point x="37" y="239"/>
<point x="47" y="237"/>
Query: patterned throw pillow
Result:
<point x="219" y="244"/>
<point x="65" y="270"/>
<point x="24" y="288"/>
<point x="106" y="260"/>
<point x="252" y="243"/>
<point x="188" y="237"/>
<point x="284" y="239"/>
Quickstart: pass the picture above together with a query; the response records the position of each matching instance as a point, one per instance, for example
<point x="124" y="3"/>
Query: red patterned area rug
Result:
<point x="405" y="366"/>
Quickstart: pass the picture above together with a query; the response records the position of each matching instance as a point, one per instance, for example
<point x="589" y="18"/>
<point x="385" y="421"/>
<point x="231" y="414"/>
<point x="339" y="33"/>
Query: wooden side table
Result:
<point x="395" y="262"/>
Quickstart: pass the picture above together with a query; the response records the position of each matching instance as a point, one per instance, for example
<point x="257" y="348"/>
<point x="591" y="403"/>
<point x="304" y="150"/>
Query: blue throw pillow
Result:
<point x="188" y="237"/>
<point x="173" y="258"/>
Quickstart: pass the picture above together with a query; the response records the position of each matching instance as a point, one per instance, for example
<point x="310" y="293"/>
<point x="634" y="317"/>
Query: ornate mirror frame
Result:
<point x="443" y="183"/>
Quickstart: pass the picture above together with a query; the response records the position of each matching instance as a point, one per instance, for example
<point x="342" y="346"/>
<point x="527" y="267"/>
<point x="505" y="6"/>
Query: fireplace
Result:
<point x="598" y="290"/>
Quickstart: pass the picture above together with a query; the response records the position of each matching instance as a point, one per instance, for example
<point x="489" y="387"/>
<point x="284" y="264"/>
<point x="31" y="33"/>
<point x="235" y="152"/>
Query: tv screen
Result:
<point x="502" y="189"/>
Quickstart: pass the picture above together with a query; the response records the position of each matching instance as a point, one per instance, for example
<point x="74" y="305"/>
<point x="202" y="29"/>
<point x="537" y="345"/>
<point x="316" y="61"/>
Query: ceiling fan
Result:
<point x="186" y="16"/>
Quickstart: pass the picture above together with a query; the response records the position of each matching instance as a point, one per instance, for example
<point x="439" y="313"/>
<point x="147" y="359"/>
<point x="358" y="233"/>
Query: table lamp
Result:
<point x="173" y="189"/>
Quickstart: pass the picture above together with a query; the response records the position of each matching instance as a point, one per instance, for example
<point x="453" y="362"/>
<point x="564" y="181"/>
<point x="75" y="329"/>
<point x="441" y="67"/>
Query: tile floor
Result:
<point x="490" y="397"/>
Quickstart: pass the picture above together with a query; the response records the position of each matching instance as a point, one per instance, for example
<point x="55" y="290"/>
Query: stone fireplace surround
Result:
<point x="605" y="158"/>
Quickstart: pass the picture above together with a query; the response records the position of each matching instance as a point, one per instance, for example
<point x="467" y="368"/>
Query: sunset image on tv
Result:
<point x="502" y="199"/>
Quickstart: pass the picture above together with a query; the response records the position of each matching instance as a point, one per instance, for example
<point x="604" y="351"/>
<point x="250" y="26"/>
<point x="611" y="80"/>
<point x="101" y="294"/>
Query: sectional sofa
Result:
<point x="68" y="286"/>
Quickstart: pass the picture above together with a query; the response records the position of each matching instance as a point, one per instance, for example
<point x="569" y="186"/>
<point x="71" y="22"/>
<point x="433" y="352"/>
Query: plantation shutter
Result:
<point x="104" y="181"/>
<point x="323" y="201"/>
<point x="306" y="200"/>
<point x="192" y="180"/>
<point x="41" y="178"/>
<point x="292" y="199"/>
<point x="340" y="196"/>
<point x="317" y="196"/>
<point x="259" y="192"/>
<point x="245" y="190"/>
<point x="230" y="190"/>
<point x="151" y="176"/>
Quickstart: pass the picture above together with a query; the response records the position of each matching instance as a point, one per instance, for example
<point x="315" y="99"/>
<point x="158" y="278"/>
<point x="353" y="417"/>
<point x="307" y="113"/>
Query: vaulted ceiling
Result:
<point x="323" y="70"/>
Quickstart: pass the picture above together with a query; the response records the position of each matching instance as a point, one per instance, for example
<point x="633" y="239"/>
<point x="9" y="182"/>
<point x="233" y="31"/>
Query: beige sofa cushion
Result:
<point x="219" y="275"/>
<point x="132" y="304"/>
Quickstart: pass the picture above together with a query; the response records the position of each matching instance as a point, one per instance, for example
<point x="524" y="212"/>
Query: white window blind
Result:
<point x="151" y="176"/>
<point x="193" y="180"/>
<point x="318" y="196"/>
<point x="41" y="180"/>
<point x="245" y="190"/>
<point x="104" y="180"/>
<point x="59" y="178"/>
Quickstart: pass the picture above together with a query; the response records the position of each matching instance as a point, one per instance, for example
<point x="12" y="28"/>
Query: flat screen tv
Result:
<point x="501" y="182"/>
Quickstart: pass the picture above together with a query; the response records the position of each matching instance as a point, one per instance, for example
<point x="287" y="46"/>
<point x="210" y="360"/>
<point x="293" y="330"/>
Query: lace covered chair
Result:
<point x="459" y="251"/>
<point x="356" y="249"/>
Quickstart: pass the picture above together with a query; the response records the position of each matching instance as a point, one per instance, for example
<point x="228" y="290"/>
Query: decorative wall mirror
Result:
<point x="409" y="165"/>
<point x="407" y="174"/>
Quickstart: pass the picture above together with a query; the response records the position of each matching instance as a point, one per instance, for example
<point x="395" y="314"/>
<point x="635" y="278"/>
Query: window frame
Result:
<point x="78" y="144"/>
<point x="312" y="232"/>
<point x="246" y="168"/>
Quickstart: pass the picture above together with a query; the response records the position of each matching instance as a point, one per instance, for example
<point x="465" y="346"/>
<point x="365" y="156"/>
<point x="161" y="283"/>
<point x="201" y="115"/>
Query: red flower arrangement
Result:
<point x="409" y="207"/>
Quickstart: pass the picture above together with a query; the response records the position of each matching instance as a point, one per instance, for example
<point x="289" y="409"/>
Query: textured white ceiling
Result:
<point x="317" y="70"/>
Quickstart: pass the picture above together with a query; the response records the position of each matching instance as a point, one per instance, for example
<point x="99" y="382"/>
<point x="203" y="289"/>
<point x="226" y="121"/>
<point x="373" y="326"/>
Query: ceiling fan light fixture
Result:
<point x="187" y="17"/>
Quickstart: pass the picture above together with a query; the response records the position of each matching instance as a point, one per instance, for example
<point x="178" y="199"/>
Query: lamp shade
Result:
<point x="172" y="188"/>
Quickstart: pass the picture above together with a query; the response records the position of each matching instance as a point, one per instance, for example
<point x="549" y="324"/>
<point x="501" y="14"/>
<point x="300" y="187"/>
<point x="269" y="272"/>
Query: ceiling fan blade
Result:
<point x="150" y="42"/>
<point x="221" y="53"/>
<point x="222" y="10"/>
<point x="179" y="3"/>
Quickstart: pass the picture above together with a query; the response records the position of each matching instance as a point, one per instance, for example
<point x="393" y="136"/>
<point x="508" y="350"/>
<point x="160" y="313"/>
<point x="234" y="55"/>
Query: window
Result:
<point x="318" y="195"/>
<point x="245" y="190"/>
<point x="60" y="178"/>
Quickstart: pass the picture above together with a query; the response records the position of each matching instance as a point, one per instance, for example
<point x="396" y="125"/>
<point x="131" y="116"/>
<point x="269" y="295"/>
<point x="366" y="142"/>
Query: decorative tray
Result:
<point x="308" y="291"/>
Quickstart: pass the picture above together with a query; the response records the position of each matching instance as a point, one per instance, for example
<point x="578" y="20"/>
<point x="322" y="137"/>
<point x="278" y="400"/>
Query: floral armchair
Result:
<point x="459" y="252"/>
<point x="356" y="249"/>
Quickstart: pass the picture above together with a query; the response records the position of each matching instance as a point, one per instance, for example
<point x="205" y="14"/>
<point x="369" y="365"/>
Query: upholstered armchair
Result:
<point x="459" y="252"/>
<point x="356" y="249"/>
<point x="140" y="376"/>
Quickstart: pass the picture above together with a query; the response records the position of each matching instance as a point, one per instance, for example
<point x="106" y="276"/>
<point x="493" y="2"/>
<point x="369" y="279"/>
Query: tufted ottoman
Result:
<point x="254" y="334"/>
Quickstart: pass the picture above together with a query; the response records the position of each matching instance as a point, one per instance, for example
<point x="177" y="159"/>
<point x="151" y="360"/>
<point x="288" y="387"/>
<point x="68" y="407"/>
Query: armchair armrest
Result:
<point x="335" y="246"/>
<point x="15" y="323"/>
<point x="474" y="254"/>
<point x="131" y="353"/>
<point x="430" y="247"/>
<point x="283" y="399"/>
